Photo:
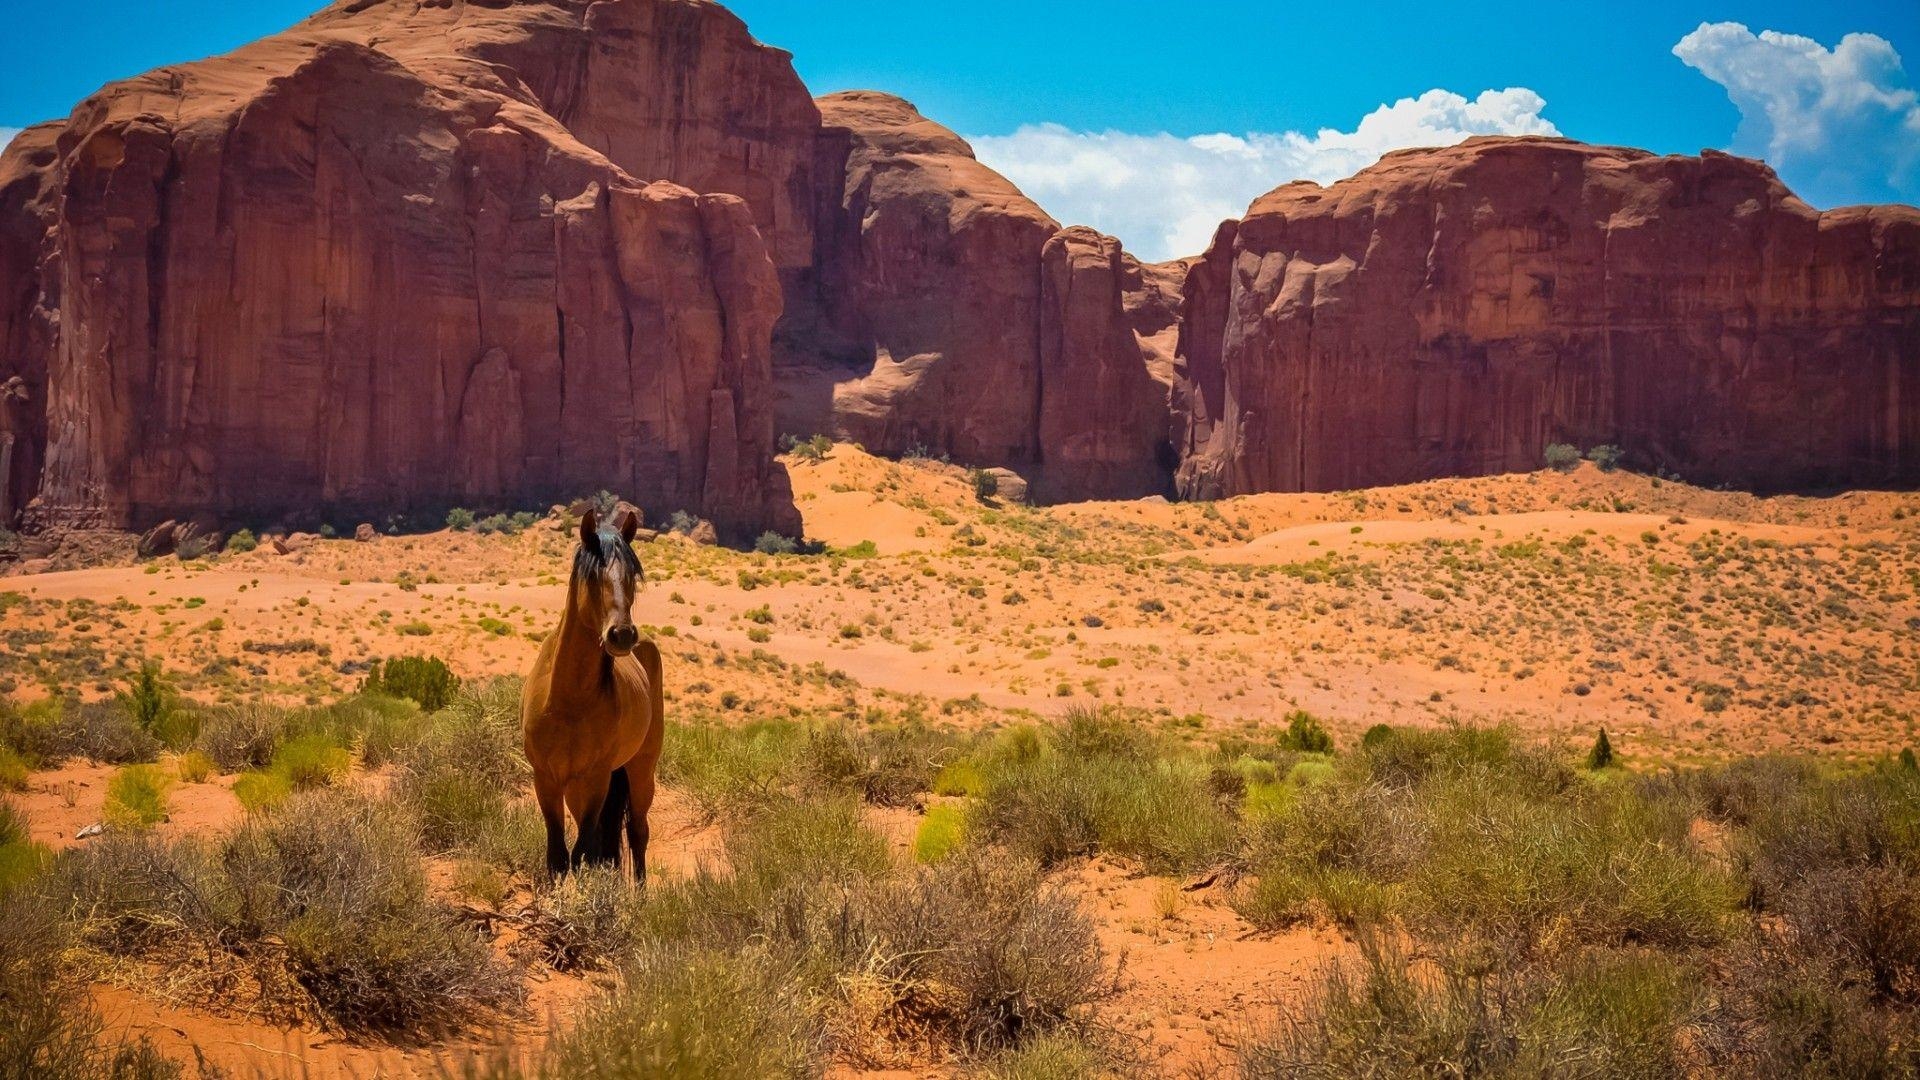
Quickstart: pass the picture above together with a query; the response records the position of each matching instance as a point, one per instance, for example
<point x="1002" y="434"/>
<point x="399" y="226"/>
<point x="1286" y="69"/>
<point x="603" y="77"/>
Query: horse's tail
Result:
<point x="613" y="816"/>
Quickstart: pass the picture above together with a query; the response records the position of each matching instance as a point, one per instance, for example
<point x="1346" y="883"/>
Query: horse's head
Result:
<point x="605" y="574"/>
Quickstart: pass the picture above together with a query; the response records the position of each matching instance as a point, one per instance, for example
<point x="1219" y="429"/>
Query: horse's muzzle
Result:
<point x="620" y="640"/>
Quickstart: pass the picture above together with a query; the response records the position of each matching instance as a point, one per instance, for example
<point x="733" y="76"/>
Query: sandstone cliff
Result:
<point x="367" y="265"/>
<point x="1451" y="312"/>
<point x="949" y="313"/>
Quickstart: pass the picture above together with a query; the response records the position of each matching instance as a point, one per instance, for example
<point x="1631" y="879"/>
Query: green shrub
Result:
<point x="1057" y="1055"/>
<point x="260" y="791"/>
<point x="1601" y="756"/>
<point x="772" y="543"/>
<point x="21" y="859"/>
<point x="1606" y="456"/>
<point x="242" y="541"/>
<point x="941" y="833"/>
<point x="424" y="680"/>
<point x="462" y="777"/>
<point x="1562" y="457"/>
<point x="1305" y="735"/>
<point x="723" y="768"/>
<point x="13" y="770"/>
<point x="137" y="797"/>
<point x="814" y="449"/>
<point x="985" y="484"/>
<point x="311" y="761"/>
<point x="194" y="767"/>
<point x="460" y="519"/>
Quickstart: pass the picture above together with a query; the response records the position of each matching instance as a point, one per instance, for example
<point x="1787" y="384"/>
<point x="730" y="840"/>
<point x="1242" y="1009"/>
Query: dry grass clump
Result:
<point x="320" y="909"/>
<point x="1612" y="1014"/>
<point x="465" y="776"/>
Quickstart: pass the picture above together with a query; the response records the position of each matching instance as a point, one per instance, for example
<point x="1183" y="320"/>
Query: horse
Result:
<point x="592" y="710"/>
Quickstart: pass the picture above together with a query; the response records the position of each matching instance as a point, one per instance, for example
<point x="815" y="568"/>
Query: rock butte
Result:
<point x="406" y="256"/>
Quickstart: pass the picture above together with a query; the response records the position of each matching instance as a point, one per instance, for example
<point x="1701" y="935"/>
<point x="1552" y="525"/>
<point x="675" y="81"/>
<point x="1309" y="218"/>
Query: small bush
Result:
<point x="1561" y="457"/>
<point x="100" y="731"/>
<point x="311" y="761"/>
<point x="260" y="791"/>
<point x="194" y="767"/>
<point x="462" y="777"/>
<point x="137" y="797"/>
<point x="13" y="770"/>
<point x="242" y="737"/>
<point x="772" y="543"/>
<point x="242" y="541"/>
<point x="460" y="519"/>
<point x="941" y="833"/>
<point x="1601" y="756"/>
<point x="985" y="484"/>
<point x="1606" y="456"/>
<point x="1305" y="735"/>
<point x="424" y="680"/>
<point x="813" y="450"/>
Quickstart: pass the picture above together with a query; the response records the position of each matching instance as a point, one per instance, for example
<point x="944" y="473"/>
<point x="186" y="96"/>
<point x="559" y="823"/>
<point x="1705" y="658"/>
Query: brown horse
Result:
<point x="591" y="713"/>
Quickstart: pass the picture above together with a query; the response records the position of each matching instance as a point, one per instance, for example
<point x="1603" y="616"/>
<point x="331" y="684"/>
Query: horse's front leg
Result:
<point x="553" y="811"/>
<point x="585" y="797"/>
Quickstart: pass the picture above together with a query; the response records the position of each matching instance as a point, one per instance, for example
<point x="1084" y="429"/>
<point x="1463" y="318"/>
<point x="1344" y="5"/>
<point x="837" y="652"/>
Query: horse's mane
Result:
<point x="590" y="561"/>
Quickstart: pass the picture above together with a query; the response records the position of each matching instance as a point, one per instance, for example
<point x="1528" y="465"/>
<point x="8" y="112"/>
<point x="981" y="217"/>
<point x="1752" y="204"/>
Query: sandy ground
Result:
<point x="1691" y="624"/>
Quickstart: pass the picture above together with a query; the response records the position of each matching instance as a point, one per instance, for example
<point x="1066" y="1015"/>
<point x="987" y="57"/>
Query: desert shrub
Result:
<point x="462" y="777"/>
<point x="137" y="797"/>
<point x="1463" y="1015"/>
<point x="696" y="1013"/>
<point x="152" y="705"/>
<point x="722" y="768"/>
<point x="241" y="737"/>
<point x="325" y="895"/>
<point x="814" y="449"/>
<point x="1095" y="784"/>
<point x="424" y="680"/>
<point x="981" y="949"/>
<point x="1784" y="1012"/>
<point x="13" y="769"/>
<point x="21" y="859"/>
<point x="311" y="761"/>
<point x="100" y="731"/>
<point x="1601" y="756"/>
<point x="1606" y="456"/>
<point x="193" y="767"/>
<point x="261" y="789"/>
<point x="589" y="919"/>
<point x="48" y="1029"/>
<point x="460" y="519"/>
<point x="772" y="543"/>
<point x="985" y="484"/>
<point x="242" y="541"/>
<point x="887" y="765"/>
<point x="1305" y="735"/>
<point x="940" y="834"/>
<point x="1562" y="457"/>
<point x="1059" y="1055"/>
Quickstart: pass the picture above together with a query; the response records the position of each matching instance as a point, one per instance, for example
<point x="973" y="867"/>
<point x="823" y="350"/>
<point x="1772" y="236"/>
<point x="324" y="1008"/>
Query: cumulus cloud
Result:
<point x="1164" y="195"/>
<point x="1840" y="125"/>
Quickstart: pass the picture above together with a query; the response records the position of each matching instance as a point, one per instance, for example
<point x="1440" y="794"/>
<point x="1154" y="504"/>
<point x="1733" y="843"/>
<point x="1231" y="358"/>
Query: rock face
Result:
<point x="947" y="312"/>
<point x="409" y="255"/>
<point x="1451" y="312"/>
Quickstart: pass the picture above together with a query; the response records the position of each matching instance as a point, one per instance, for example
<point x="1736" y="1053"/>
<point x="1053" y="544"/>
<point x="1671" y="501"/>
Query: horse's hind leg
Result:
<point x="553" y="812"/>
<point x="613" y="813"/>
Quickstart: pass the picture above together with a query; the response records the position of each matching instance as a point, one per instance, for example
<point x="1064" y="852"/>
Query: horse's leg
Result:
<point x="553" y="811"/>
<point x="584" y="798"/>
<point x="640" y="770"/>
<point x="611" y="814"/>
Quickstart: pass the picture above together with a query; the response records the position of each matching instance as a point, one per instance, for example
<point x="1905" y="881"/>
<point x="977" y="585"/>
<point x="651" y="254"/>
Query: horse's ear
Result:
<point x="629" y="524"/>
<point x="590" y="530"/>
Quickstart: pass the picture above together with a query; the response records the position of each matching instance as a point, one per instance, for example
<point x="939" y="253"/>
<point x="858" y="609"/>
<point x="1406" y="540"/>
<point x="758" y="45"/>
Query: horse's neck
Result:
<point x="579" y="663"/>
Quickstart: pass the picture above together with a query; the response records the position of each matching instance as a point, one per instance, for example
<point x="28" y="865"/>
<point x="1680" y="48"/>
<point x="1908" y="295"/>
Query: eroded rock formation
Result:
<point x="368" y="265"/>
<point x="1451" y="312"/>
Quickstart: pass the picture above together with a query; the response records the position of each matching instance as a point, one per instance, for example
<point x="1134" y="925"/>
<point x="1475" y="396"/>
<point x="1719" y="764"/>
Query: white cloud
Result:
<point x="1164" y="195"/>
<point x="1839" y="124"/>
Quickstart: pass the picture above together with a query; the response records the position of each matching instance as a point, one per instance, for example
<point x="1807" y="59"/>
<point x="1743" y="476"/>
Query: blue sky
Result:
<point x="1149" y="119"/>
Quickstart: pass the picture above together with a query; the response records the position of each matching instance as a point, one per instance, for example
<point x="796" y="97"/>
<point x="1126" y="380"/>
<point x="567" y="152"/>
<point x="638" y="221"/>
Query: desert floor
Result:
<point x="1693" y="625"/>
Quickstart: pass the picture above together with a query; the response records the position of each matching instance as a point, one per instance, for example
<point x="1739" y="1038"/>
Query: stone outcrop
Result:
<point x="1451" y="312"/>
<point x="371" y="265"/>
<point x="948" y="312"/>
